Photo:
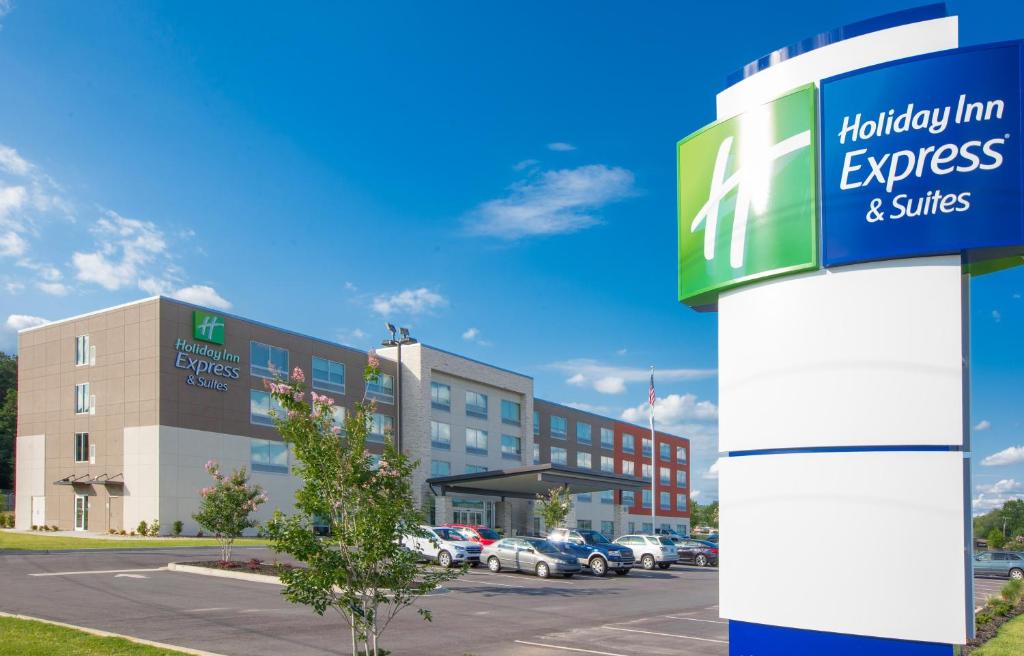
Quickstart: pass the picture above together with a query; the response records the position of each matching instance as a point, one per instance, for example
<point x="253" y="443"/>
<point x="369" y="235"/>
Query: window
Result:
<point x="380" y="425"/>
<point x="81" y="447"/>
<point x="607" y="528"/>
<point x="440" y="468"/>
<point x="664" y="475"/>
<point x="681" y="502"/>
<point x="476" y="441"/>
<point x="664" y="451"/>
<point x="583" y="434"/>
<point x="475" y="469"/>
<point x="441" y="396"/>
<point x="267" y="361"/>
<point x="440" y="435"/>
<point x="338" y="417"/>
<point x="632" y="527"/>
<point x="536" y="422"/>
<point x="511" y="447"/>
<point x="558" y="426"/>
<point x="645" y="499"/>
<point x="645" y="471"/>
<point x="584" y="497"/>
<point x="681" y="455"/>
<point x="665" y="501"/>
<point x="476" y="404"/>
<point x="629" y="498"/>
<point x="269" y="456"/>
<point x="647" y="447"/>
<point x="680" y="478"/>
<point x="83" y="401"/>
<point x="608" y="464"/>
<point x="328" y="375"/>
<point x="509" y="412"/>
<point x="81" y="350"/>
<point x="608" y="496"/>
<point x="558" y="455"/>
<point x="583" y="460"/>
<point x="381" y="388"/>
<point x="629" y="468"/>
<point x="607" y="439"/>
<point x="628" y="443"/>
<point x="260" y="405"/>
<point x="647" y="527"/>
<point x="681" y="529"/>
<point x="584" y="524"/>
<point x="536" y="453"/>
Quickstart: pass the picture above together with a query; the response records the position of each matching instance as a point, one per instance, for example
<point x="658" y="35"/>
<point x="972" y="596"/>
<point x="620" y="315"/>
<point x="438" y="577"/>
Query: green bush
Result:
<point x="982" y="618"/>
<point x="143" y="528"/>
<point x="154" y="528"/>
<point x="999" y="607"/>
<point x="995" y="539"/>
<point x="7" y="520"/>
<point x="1012" y="591"/>
<point x="176" y="527"/>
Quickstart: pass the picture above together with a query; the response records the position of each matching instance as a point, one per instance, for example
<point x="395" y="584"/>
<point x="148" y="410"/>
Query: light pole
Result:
<point x="397" y="343"/>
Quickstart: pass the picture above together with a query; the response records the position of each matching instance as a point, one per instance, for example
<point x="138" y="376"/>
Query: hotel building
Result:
<point x="120" y="409"/>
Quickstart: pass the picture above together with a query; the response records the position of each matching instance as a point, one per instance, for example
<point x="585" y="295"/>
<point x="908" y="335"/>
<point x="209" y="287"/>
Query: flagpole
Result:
<point x="654" y="448"/>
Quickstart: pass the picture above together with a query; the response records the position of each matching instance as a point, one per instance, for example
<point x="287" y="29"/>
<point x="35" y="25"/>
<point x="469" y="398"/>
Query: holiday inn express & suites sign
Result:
<point x="207" y="366"/>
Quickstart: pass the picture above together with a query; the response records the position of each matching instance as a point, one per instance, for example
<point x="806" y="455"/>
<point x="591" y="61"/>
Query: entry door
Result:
<point x="115" y="512"/>
<point x="38" y="511"/>
<point x="81" y="512"/>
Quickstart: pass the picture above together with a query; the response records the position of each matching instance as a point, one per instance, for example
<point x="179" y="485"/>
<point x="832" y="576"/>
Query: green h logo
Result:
<point x="747" y="198"/>
<point x="207" y="327"/>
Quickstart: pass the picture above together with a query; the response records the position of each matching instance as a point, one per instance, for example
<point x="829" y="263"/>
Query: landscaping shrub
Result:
<point x="35" y="528"/>
<point x="142" y="529"/>
<point x="1012" y="591"/>
<point x="122" y="532"/>
<point x="154" y="528"/>
<point x="54" y="528"/>
<point x="995" y="539"/>
<point x="176" y="527"/>
<point x="999" y="607"/>
<point x="254" y="565"/>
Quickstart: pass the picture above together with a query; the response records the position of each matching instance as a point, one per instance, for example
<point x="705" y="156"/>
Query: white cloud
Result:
<point x="561" y="147"/>
<point x="673" y="410"/>
<point x="996" y="316"/>
<point x="552" y="203"/>
<point x="125" y="247"/>
<point x="712" y="472"/>
<point x="612" y="379"/>
<point x="349" y="286"/>
<point x="12" y="244"/>
<point x="10" y="160"/>
<point x="409" y="301"/>
<point x="621" y="351"/>
<point x="995" y="495"/>
<point x="11" y="200"/>
<point x="18" y="322"/>
<point x="358" y="334"/>
<point x="1007" y="456"/>
<point x="470" y="334"/>
<point x="202" y="295"/>
<point x="588" y="407"/>
<point x="53" y="288"/>
<point x="984" y="424"/>
<point x="525" y="164"/>
<point x="694" y="494"/>
<point x="14" y="287"/>
<point x="1000" y="487"/>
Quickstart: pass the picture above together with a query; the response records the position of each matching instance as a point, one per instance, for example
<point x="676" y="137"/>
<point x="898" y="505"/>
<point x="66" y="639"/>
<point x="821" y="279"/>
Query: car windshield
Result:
<point x="665" y="541"/>
<point x="488" y="534"/>
<point x="593" y="537"/>
<point x="449" y="534"/>
<point x="543" y="546"/>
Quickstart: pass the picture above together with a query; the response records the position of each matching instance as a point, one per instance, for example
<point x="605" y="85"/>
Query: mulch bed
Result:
<point x="253" y="566"/>
<point x="989" y="630"/>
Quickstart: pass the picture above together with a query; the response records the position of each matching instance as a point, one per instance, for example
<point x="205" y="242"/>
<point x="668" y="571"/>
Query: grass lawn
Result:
<point x="1008" y="642"/>
<point x="29" y="541"/>
<point x="30" y="638"/>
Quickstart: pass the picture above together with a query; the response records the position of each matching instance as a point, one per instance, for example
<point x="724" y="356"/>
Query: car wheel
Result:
<point x="622" y="572"/>
<point x="1017" y="573"/>
<point x="568" y="576"/>
<point x="647" y="561"/>
<point x="664" y="565"/>
<point x="494" y="564"/>
<point x="598" y="566"/>
<point x="444" y="559"/>
<point x="543" y="570"/>
<point x="701" y="560"/>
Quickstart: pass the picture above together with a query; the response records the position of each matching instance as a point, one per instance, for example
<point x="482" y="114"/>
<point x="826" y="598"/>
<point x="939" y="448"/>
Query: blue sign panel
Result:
<point x="923" y="157"/>
<point x="746" y="639"/>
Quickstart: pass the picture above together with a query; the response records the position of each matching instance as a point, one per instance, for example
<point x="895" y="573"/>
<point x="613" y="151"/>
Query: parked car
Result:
<point x="703" y="529"/>
<point x="535" y="555"/>
<point x="698" y="552"/>
<point x="999" y="563"/>
<point x="670" y="533"/>
<point x="651" y="550"/>
<point x="713" y="538"/>
<point x="477" y="533"/>
<point x="445" y="545"/>
<point x="593" y="550"/>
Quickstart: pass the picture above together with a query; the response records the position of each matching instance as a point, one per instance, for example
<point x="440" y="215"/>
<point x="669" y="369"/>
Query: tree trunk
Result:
<point x="352" y="625"/>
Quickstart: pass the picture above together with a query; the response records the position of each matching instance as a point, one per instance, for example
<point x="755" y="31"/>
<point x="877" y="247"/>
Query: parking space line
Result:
<point x="98" y="571"/>
<point x="504" y="585"/>
<point x="694" y="619"/>
<point x="667" y="635"/>
<point x="585" y="651"/>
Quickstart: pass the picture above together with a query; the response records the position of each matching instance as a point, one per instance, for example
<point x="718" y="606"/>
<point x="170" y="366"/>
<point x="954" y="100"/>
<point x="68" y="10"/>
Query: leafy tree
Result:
<point x="554" y="506"/>
<point x="226" y="506"/>
<point x="8" y="417"/>
<point x="995" y="539"/>
<point x="360" y="569"/>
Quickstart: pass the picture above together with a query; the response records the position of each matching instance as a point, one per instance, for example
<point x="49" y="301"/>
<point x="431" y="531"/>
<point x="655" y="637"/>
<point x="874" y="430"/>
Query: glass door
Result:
<point x="81" y="512"/>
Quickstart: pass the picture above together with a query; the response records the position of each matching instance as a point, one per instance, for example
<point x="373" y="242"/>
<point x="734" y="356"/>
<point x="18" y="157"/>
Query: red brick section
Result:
<point x="638" y="459"/>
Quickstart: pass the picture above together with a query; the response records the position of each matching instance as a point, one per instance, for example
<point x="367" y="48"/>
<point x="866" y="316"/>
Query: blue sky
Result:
<point x="499" y="178"/>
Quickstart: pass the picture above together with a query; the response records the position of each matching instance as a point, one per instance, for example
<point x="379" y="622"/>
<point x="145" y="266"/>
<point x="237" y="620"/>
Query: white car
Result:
<point x="445" y="545"/>
<point x="651" y="550"/>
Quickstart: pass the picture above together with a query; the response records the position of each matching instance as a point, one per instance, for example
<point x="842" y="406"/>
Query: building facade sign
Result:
<point x="207" y="367"/>
<point x="207" y="327"/>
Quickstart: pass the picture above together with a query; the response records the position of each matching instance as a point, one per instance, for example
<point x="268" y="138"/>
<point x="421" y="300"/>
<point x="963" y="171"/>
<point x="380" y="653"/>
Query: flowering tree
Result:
<point x="226" y="506"/>
<point x="360" y="569"/>
<point x="554" y="506"/>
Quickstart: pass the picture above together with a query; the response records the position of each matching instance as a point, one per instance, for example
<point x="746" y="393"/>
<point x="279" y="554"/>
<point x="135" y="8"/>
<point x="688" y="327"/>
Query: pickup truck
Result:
<point x="593" y="550"/>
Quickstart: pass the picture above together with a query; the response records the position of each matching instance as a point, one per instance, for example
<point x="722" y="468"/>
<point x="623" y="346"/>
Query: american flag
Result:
<point x="650" y="392"/>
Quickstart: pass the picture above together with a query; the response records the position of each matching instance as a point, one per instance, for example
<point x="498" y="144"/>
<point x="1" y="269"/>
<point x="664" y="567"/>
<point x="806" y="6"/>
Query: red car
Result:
<point x="477" y="533"/>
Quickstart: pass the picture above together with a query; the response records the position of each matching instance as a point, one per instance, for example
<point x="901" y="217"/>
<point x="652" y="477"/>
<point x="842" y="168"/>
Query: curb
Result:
<point x="224" y="573"/>
<point x="108" y="634"/>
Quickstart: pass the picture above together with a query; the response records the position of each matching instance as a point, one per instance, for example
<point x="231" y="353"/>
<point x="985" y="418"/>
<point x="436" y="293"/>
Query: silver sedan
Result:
<point x="535" y="555"/>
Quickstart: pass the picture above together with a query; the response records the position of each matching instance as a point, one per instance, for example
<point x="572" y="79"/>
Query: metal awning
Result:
<point x="86" y="479"/>
<point x="528" y="482"/>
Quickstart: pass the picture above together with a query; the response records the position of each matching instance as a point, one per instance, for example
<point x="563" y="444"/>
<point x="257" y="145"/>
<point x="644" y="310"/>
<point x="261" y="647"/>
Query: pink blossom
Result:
<point x="298" y="374"/>
<point x="336" y="430"/>
<point x="372" y="359"/>
<point x="211" y="466"/>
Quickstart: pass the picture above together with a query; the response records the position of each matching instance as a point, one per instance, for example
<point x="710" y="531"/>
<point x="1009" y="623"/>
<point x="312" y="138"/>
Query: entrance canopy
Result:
<point x="528" y="482"/>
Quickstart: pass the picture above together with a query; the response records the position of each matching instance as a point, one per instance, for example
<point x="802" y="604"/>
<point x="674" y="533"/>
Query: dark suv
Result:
<point x="593" y="550"/>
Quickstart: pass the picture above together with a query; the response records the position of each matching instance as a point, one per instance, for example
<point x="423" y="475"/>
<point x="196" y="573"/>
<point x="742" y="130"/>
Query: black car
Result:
<point x="697" y="552"/>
